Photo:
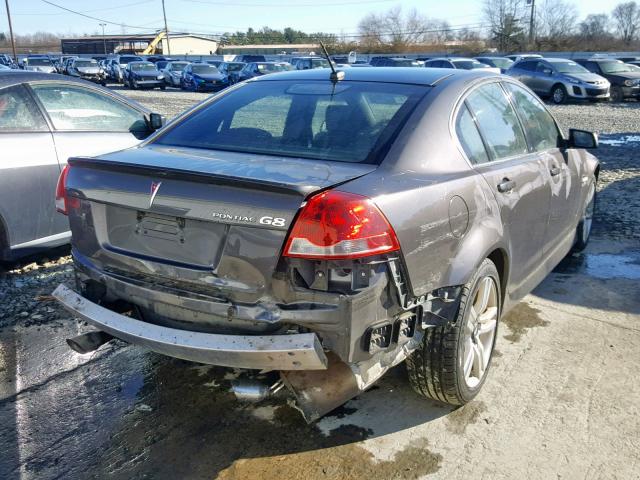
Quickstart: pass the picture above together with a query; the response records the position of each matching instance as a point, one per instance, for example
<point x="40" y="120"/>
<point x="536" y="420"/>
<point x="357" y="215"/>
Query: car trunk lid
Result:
<point x="215" y="217"/>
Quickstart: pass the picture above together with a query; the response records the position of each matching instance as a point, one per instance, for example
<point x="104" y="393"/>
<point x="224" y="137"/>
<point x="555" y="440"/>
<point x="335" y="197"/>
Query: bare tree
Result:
<point x="595" y="27"/>
<point x="556" y="19"/>
<point x="505" y="19"/>
<point x="627" y="19"/>
<point x="396" y="30"/>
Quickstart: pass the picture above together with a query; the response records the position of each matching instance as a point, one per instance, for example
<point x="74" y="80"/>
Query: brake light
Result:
<point x="63" y="201"/>
<point x="338" y="225"/>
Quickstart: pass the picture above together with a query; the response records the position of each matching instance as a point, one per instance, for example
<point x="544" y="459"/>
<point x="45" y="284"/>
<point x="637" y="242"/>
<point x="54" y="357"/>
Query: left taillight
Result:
<point x="62" y="201"/>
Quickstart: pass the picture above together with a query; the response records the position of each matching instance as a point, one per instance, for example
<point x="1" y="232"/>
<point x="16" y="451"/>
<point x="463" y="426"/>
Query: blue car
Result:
<point x="200" y="77"/>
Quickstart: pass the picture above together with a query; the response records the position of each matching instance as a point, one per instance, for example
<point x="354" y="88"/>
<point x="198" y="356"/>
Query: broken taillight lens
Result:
<point x="339" y="225"/>
<point x="63" y="201"/>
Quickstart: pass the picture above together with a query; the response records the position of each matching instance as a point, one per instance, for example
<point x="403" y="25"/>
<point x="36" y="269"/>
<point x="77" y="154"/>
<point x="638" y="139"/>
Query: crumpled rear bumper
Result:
<point x="270" y="352"/>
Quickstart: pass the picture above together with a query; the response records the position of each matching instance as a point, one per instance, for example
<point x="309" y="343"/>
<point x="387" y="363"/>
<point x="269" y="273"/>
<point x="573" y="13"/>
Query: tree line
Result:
<point x="506" y="25"/>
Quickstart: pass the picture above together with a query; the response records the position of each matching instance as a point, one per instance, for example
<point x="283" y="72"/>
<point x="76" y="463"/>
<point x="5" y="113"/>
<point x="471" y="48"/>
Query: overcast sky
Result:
<point x="213" y="16"/>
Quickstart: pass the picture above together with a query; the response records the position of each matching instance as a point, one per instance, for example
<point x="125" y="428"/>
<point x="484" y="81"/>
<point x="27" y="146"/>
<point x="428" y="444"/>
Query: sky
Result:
<point x="216" y="16"/>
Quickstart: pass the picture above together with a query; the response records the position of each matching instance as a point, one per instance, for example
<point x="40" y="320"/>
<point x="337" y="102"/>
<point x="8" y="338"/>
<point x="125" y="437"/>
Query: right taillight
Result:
<point x="62" y="201"/>
<point x="338" y="225"/>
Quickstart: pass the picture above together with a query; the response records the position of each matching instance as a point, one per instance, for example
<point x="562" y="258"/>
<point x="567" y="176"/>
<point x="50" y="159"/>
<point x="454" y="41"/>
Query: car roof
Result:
<point x="408" y="75"/>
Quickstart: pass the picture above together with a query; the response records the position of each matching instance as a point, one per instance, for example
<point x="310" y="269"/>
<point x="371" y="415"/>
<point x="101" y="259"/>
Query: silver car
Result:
<point x="45" y="119"/>
<point x="330" y="227"/>
<point x="38" y="64"/>
<point x="87" y="69"/>
<point x="560" y="79"/>
<point x="173" y="73"/>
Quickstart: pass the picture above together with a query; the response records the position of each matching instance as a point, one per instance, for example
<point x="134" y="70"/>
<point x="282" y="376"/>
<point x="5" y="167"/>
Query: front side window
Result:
<point x="538" y="123"/>
<point x="347" y="122"/>
<point x="497" y="121"/>
<point x="18" y="113"/>
<point x="469" y="137"/>
<point x="82" y="109"/>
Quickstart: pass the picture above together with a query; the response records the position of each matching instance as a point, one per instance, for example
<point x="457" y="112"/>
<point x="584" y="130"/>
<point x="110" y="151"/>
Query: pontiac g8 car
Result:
<point x="331" y="228"/>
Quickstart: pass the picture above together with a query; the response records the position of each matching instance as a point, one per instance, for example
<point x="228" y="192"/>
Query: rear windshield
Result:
<point x="178" y="67"/>
<point x="469" y="64"/>
<point x="38" y="62"/>
<point x="349" y="122"/>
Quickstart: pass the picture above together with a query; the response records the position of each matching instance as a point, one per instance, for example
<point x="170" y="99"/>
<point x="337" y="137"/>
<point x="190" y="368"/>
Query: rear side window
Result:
<point x="538" y="123"/>
<point x="469" y="137"/>
<point x="497" y="121"/>
<point x="18" y="113"/>
<point x="346" y="122"/>
<point x="81" y="109"/>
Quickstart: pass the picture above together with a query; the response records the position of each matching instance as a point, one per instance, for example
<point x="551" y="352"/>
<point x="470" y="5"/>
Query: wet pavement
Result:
<point x="561" y="400"/>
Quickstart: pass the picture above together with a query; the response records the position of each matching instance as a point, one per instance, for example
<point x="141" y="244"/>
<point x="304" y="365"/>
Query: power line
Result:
<point x="290" y="5"/>
<point x="85" y="11"/>
<point x="94" y="18"/>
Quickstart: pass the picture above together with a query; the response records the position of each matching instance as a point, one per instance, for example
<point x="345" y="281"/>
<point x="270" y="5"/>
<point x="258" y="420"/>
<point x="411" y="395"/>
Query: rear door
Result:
<point x="87" y="122"/>
<point x="561" y="169"/>
<point x="28" y="169"/>
<point x="514" y="175"/>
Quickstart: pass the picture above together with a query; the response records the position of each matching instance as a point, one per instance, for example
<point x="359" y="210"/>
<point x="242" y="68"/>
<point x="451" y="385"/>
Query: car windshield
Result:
<point x="178" y="66"/>
<point x="569" y="67"/>
<point x="142" y="67"/>
<point x="38" y="62"/>
<point x="234" y="67"/>
<point x="614" y="67"/>
<point x="129" y="59"/>
<point x="273" y="67"/>
<point x="86" y="63"/>
<point x="204" y="69"/>
<point x="319" y="63"/>
<point x="504" y="63"/>
<point x="469" y="64"/>
<point x="347" y="122"/>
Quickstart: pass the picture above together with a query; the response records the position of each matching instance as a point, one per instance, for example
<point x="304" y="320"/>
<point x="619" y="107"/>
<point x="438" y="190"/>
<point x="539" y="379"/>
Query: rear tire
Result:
<point x="583" y="231"/>
<point x="452" y="363"/>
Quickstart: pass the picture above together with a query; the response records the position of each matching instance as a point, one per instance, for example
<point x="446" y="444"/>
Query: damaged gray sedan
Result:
<point x="330" y="227"/>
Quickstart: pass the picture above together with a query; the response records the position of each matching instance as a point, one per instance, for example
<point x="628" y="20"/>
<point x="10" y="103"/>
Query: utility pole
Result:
<point x="532" y="22"/>
<point x="104" y="40"/>
<point x="13" y="42"/>
<point x="166" y="29"/>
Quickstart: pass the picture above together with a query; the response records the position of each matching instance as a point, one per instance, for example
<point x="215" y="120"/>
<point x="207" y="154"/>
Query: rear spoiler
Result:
<point x="191" y="176"/>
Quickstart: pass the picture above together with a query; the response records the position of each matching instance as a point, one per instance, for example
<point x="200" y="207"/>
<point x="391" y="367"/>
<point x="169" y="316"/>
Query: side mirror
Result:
<point x="582" y="139"/>
<point x="156" y="121"/>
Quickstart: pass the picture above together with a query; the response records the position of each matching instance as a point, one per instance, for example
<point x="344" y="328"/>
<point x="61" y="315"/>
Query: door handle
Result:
<point x="555" y="171"/>
<point x="506" y="185"/>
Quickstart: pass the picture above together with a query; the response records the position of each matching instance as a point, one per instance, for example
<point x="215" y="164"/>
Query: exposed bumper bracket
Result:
<point x="266" y="352"/>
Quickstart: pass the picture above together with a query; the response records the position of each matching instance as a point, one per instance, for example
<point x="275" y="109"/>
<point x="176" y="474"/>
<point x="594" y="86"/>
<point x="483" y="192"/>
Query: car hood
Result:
<point x="147" y="74"/>
<point x="209" y="76"/>
<point x="625" y="75"/>
<point x="89" y="70"/>
<point x="586" y="77"/>
<point x="40" y="69"/>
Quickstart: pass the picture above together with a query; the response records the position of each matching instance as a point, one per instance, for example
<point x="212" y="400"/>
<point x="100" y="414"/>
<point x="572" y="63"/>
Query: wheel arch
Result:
<point x="5" y="242"/>
<point x="501" y="260"/>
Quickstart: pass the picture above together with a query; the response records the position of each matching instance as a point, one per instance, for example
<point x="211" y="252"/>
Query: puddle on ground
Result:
<point x="461" y="418"/>
<point x="521" y="318"/>
<point x="603" y="265"/>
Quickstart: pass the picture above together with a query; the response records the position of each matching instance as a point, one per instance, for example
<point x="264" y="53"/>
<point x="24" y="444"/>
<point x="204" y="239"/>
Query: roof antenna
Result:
<point x="335" y="76"/>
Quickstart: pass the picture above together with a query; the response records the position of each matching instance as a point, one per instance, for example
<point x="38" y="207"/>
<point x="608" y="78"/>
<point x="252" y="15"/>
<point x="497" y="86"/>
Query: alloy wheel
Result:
<point x="558" y="95"/>
<point x="479" y="332"/>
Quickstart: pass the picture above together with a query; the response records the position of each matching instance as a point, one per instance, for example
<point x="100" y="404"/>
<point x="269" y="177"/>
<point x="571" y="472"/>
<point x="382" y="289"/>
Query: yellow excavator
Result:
<point x="151" y="48"/>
